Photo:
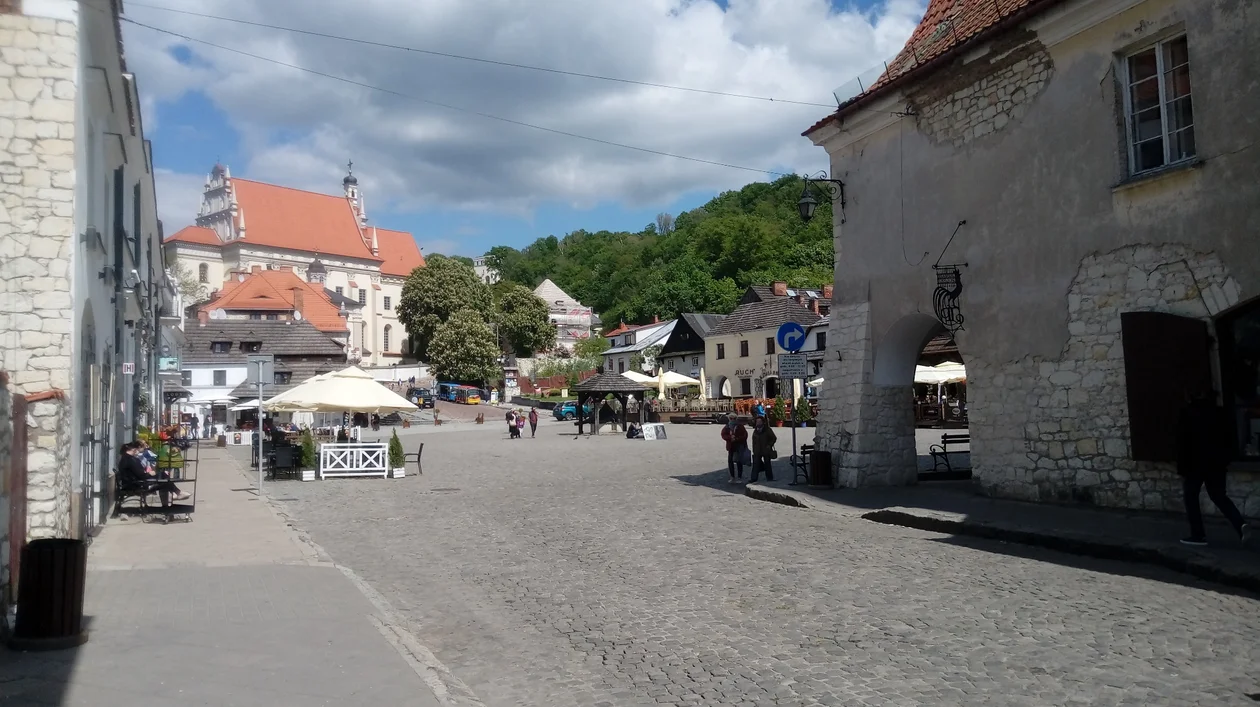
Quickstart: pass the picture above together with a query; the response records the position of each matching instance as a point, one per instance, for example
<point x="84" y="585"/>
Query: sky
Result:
<point x="461" y="182"/>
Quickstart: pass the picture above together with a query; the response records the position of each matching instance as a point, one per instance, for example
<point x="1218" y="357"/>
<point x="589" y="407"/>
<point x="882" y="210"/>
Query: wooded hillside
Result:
<point x="700" y="261"/>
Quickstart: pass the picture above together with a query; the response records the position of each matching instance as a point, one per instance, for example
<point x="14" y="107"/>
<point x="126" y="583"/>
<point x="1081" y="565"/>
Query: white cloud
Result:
<point x="178" y="197"/>
<point x="299" y="129"/>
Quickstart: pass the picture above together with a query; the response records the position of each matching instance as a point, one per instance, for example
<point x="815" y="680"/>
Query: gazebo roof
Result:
<point x="609" y="383"/>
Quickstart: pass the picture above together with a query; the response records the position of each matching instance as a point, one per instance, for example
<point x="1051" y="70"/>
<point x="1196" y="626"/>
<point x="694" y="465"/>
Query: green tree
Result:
<point x="188" y="285"/>
<point x="524" y="321"/>
<point x="463" y="348"/>
<point x="592" y="348"/>
<point x="434" y="293"/>
<point x="309" y="454"/>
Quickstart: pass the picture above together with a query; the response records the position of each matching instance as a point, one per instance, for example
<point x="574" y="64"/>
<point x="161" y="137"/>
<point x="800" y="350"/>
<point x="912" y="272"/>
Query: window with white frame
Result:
<point x="389" y="304"/>
<point x="1159" y="113"/>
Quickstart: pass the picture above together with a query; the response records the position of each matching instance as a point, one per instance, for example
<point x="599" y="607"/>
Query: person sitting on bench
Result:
<point x="132" y="471"/>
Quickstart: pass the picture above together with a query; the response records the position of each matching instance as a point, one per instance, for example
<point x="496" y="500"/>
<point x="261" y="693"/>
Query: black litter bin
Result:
<point x="820" y="468"/>
<point x="50" y="595"/>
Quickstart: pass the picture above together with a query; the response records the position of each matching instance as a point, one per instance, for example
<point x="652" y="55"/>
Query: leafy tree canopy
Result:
<point x="464" y="349"/>
<point x="699" y="261"/>
<point x="524" y="321"/>
<point x="434" y="293"/>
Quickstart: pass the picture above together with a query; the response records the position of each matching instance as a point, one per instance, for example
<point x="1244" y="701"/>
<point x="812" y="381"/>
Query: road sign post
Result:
<point x="261" y="369"/>
<point x="791" y="338"/>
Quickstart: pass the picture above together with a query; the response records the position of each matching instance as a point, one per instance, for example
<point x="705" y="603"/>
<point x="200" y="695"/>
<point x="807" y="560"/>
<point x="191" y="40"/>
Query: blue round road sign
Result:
<point x="791" y="337"/>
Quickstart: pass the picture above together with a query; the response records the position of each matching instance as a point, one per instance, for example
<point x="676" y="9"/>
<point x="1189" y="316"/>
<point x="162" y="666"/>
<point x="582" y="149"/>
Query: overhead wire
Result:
<point x="449" y="106"/>
<point x="495" y="62"/>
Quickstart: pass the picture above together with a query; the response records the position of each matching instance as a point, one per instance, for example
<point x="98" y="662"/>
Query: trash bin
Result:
<point x="221" y="441"/>
<point x="820" y="468"/>
<point x="50" y="595"/>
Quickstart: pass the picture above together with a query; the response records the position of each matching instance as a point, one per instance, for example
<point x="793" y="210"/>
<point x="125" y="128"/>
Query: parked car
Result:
<point x="567" y="410"/>
<point x="421" y="397"/>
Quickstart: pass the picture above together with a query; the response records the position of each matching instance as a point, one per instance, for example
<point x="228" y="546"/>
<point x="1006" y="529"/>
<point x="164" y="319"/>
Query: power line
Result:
<point x="449" y="106"/>
<point x="769" y="99"/>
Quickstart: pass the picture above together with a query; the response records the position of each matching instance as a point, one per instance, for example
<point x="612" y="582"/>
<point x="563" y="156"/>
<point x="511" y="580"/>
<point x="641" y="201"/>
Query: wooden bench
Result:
<point x="940" y="452"/>
<point x="800" y="465"/>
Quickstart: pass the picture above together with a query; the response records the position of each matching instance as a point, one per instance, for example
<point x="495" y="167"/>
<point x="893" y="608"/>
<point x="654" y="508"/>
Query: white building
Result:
<point x="86" y="304"/>
<point x="486" y="273"/>
<point x="626" y="342"/>
<point x="325" y="239"/>
<point x="573" y="320"/>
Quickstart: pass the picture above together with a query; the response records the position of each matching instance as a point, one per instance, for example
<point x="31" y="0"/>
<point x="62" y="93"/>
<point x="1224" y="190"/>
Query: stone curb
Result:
<point x="1174" y="558"/>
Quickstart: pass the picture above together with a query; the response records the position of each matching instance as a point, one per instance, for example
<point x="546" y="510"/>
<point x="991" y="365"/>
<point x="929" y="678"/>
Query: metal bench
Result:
<point x="940" y="452"/>
<point x="416" y="456"/>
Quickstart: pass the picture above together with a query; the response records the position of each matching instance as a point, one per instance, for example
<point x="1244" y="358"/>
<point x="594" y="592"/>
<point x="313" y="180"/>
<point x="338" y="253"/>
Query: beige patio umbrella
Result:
<point x="638" y="377"/>
<point x="348" y="390"/>
<point x="674" y="379"/>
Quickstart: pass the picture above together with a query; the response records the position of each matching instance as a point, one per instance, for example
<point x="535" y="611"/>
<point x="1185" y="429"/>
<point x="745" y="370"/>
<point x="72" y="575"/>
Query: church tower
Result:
<point x="351" y="186"/>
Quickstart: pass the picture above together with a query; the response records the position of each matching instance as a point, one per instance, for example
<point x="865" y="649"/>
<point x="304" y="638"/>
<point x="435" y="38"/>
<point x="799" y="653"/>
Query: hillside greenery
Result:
<point x="700" y="261"/>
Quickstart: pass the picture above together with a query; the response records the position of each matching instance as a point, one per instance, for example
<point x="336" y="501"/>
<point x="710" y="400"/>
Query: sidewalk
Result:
<point x="231" y="609"/>
<point x="954" y="508"/>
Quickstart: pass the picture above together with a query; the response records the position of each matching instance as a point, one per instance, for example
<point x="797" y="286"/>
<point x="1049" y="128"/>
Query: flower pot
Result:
<point x="308" y="474"/>
<point x="398" y="472"/>
<point x="778" y="423"/>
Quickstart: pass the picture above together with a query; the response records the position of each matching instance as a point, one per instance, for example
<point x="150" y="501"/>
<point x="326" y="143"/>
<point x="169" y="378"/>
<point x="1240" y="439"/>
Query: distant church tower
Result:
<point x="351" y="186"/>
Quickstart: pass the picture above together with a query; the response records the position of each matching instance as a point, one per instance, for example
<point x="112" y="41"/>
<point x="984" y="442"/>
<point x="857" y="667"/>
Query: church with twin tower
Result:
<point x="246" y="227"/>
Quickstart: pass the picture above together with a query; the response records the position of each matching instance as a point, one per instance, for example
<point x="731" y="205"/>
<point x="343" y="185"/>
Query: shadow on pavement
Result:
<point x="717" y="480"/>
<point x="38" y="678"/>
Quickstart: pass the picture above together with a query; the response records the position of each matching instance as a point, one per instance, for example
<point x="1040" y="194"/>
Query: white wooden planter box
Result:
<point x="308" y="474"/>
<point x="398" y="473"/>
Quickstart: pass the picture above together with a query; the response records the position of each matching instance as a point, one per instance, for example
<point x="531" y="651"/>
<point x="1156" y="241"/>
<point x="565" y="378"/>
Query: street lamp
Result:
<point x="821" y="183"/>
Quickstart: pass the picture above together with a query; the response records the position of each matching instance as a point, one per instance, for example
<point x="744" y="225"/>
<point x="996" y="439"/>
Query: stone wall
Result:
<point x="6" y="443"/>
<point x="985" y="96"/>
<point x="869" y="429"/>
<point x="1058" y="430"/>
<point x="38" y="60"/>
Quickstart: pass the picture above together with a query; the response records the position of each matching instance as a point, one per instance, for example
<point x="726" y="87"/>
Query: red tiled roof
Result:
<point x="946" y="27"/>
<point x="399" y="251"/>
<point x="272" y="290"/>
<point x="196" y="234"/>
<point x="299" y="220"/>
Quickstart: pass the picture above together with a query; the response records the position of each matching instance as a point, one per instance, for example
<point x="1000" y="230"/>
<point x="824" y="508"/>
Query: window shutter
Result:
<point x="1166" y="357"/>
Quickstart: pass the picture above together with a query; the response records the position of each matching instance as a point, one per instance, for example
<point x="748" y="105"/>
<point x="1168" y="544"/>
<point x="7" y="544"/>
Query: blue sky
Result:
<point x="462" y="183"/>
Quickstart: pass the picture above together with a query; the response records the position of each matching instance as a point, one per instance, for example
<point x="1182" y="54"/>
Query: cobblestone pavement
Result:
<point x="563" y="571"/>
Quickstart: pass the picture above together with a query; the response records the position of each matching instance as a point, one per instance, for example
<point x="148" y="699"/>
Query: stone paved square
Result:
<point x="576" y="571"/>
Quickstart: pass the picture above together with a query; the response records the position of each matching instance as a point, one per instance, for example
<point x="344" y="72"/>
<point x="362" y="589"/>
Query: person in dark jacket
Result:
<point x="763" y="439"/>
<point x="132" y="471"/>
<point x="736" y="437"/>
<point x="1203" y="443"/>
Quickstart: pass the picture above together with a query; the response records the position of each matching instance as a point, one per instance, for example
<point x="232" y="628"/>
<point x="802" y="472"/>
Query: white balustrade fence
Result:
<point x="353" y="459"/>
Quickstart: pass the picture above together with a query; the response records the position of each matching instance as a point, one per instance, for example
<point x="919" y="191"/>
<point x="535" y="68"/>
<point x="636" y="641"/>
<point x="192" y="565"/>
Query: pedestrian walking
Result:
<point x="511" y="423"/>
<point x="763" y="439"/>
<point x="192" y="426"/>
<point x="533" y="422"/>
<point x="520" y="423"/>
<point x="736" y="437"/>
<point x="1203" y="441"/>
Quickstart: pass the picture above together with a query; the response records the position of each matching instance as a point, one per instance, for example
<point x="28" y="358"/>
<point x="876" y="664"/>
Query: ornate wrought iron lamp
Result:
<point x="821" y="183"/>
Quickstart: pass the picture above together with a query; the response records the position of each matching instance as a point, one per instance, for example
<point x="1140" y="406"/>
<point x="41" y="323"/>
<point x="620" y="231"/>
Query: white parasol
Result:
<point x="348" y="390"/>
<point x="944" y="373"/>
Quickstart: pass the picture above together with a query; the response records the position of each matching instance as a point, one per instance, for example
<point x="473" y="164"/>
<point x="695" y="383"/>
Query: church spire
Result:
<point x="351" y="186"/>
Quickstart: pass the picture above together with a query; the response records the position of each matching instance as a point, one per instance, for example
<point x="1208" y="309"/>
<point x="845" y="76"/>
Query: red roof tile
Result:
<point x="946" y="27"/>
<point x="196" y="234"/>
<point x="299" y="220"/>
<point x="273" y="290"/>
<point x="399" y="251"/>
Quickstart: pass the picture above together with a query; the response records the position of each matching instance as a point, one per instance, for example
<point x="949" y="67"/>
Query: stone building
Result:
<point x="327" y="240"/>
<point x="86" y="304"/>
<point x="1083" y="175"/>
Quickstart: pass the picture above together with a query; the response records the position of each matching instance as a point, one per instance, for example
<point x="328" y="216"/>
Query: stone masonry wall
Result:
<point x="984" y="96"/>
<point x="6" y="444"/>
<point x="868" y="429"/>
<point x="1058" y="430"/>
<point x="38" y="60"/>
